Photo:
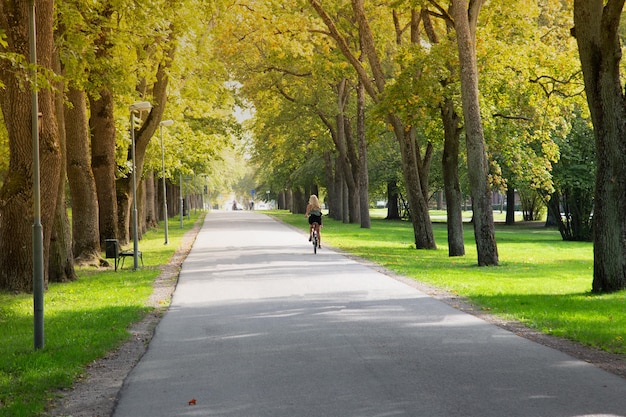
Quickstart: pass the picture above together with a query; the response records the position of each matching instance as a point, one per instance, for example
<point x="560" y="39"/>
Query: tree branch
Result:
<point x="611" y="15"/>
<point x="553" y="80"/>
<point x="367" y="44"/>
<point x="288" y="72"/>
<point x="284" y="93"/>
<point x="504" y="116"/>
<point x="472" y="13"/>
<point x="428" y="27"/>
<point x="345" y="49"/>
<point x="331" y="128"/>
<point x="443" y="13"/>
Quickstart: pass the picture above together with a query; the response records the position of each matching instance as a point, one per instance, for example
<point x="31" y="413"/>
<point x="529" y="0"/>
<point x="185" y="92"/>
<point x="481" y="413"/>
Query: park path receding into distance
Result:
<point x="259" y="326"/>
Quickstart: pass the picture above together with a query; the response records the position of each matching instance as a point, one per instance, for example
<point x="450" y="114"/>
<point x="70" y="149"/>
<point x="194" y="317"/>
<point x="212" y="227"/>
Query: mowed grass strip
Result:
<point x="83" y="320"/>
<point x="542" y="281"/>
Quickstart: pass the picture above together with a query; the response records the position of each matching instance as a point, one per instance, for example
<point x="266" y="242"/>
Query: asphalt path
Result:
<point x="259" y="326"/>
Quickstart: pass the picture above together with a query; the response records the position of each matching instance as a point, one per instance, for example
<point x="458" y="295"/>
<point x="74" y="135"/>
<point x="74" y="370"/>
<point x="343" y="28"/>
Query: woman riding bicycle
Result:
<point x="314" y="213"/>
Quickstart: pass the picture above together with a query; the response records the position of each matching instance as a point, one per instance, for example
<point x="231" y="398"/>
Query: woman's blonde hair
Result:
<point x="314" y="202"/>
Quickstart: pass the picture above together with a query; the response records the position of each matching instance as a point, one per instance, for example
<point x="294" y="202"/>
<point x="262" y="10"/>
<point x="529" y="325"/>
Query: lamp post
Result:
<point x="38" y="281"/>
<point x="164" y="123"/>
<point x="135" y="107"/>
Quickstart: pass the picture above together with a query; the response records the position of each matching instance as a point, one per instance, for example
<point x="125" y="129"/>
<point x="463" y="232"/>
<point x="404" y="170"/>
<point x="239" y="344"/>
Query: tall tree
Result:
<point x="415" y="165"/>
<point x="155" y="34"/>
<point x="574" y="179"/>
<point x="101" y="79"/>
<point x="596" y="28"/>
<point x="465" y="15"/>
<point x="427" y="90"/>
<point x="16" y="195"/>
<point x="142" y="138"/>
<point x="452" y="185"/>
<point x="362" y="157"/>
<point x="103" y="165"/>
<point x="86" y="244"/>
<point x="523" y="124"/>
<point x="78" y="28"/>
<point x="342" y="134"/>
<point x="451" y="147"/>
<point x="61" y="266"/>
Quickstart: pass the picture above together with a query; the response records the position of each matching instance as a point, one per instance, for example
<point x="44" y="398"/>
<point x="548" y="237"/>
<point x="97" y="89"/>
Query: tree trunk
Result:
<point x="418" y="205"/>
<point x="124" y="203"/>
<point x="343" y="142"/>
<point x="331" y="189"/>
<point x="554" y="212"/>
<point x="415" y="176"/>
<point x="553" y="217"/>
<point x="299" y="201"/>
<point x="288" y="200"/>
<point x="579" y="209"/>
<point x="81" y="181"/>
<point x="597" y="33"/>
<point x="352" y="174"/>
<point x="281" y="200"/>
<point x="393" y="210"/>
<point x="510" y="205"/>
<point x="363" y="178"/>
<point x="61" y="266"/>
<point x="465" y="21"/>
<point x="345" y="198"/>
<point x="16" y="194"/>
<point x="340" y="214"/>
<point x="158" y="199"/>
<point x="142" y="207"/>
<point x="333" y="171"/>
<point x="151" y="200"/>
<point x="452" y="187"/>
<point x="103" y="165"/>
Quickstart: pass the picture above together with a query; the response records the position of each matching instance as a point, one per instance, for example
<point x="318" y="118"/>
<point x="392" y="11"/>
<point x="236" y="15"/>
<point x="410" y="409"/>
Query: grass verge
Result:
<point x="83" y="320"/>
<point x="542" y="281"/>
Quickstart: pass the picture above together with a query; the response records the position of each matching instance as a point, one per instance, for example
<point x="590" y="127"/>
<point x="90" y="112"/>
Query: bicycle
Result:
<point x="315" y="237"/>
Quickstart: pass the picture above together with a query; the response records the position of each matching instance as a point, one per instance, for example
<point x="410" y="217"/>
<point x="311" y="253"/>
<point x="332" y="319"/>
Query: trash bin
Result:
<point x="112" y="248"/>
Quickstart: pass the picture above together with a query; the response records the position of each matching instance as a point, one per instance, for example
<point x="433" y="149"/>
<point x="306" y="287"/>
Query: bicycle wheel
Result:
<point x="314" y="241"/>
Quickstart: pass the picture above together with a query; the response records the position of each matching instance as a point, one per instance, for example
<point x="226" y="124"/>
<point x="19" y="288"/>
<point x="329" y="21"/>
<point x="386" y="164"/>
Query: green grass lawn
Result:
<point x="541" y="281"/>
<point x="83" y="320"/>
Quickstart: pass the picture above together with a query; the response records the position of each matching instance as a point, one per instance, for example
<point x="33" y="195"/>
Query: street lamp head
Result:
<point x="167" y="123"/>
<point x="140" y="105"/>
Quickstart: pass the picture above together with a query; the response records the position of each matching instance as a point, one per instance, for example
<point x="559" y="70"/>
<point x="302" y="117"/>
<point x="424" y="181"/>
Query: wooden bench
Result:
<point x="112" y="251"/>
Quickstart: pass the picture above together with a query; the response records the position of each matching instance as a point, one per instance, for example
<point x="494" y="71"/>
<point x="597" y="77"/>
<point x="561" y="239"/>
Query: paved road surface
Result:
<point x="261" y="327"/>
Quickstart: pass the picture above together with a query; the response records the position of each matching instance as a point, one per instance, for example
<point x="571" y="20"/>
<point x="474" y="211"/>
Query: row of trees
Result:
<point x="341" y="92"/>
<point x="327" y="78"/>
<point x="413" y="67"/>
<point x="94" y="59"/>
